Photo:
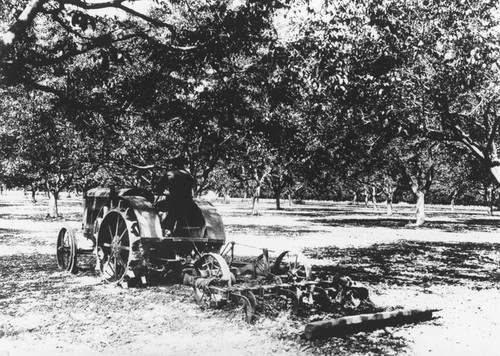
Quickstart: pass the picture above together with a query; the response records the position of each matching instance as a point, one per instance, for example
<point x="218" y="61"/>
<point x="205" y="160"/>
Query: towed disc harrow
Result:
<point x="287" y="280"/>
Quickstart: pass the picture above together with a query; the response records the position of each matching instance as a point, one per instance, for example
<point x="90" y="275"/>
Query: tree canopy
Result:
<point x="316" y="97"/>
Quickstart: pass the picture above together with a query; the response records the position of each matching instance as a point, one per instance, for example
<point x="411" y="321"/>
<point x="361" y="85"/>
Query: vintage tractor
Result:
<point x="125" y="231"/>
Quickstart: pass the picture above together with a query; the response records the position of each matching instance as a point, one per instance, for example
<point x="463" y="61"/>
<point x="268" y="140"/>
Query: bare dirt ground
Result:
<point x="451" y="264"/>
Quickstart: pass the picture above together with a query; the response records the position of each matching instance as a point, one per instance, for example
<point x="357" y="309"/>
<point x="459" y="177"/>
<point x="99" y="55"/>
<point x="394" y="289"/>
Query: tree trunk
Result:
<point x="289" y="194"/>
<point x="374" y="198"/>
<point x="490" y="198"/>
<point x="366" y="193"/>
<point x="53" y="211"/>
<point x="420" y="208"/>
<point x="485" y="194"/>
<point x="420" y="185"/>
<point x="389" y="189"/>
<point x="492" y="202"/>
<point x="259" y="180"/>
<point x="277" y="196"/>
<point x="255" y="201"/>
<point x="453" y="198"/>
<point x="390" y="209"/>
<point x="33" y="195"/>
<point x="390" y="197"/>
<point x="278" y="203"/>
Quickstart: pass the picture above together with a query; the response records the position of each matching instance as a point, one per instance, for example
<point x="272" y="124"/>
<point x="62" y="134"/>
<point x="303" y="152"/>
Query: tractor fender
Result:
<point x="146" y="214"/>
<point x="214" y="231"/>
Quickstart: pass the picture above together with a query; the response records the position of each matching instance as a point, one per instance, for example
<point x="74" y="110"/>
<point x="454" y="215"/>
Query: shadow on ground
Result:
<point x="271" y="231"/>
<point x="33" y="276"/>
<point x="446" y="225"/>
<point x="415" y="263"/>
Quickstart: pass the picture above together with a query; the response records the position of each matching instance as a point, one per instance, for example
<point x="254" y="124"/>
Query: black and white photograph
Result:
<point x="249" y="177"/>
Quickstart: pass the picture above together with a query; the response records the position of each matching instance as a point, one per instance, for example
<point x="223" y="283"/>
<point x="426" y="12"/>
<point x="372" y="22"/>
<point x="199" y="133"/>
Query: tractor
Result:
<point x="125" y="230"/>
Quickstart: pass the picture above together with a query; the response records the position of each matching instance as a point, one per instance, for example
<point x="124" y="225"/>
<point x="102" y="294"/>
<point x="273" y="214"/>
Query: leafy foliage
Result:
<point x="315" y="98"/>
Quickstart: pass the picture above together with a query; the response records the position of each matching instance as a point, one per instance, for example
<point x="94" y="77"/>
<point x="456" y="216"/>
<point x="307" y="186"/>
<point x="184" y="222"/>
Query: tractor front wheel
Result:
<point x="66" y="250"/>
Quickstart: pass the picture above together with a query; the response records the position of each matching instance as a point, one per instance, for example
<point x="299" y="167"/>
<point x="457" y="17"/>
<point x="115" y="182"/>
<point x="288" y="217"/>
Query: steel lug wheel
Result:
<point x="66" y="249"/>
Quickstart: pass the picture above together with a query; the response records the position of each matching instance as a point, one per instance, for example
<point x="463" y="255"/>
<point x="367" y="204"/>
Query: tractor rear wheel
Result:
<point x="114" y="245"/>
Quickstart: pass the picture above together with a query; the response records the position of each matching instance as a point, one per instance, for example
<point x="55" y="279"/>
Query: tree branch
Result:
<point x="45" y="88"/>
<point x="148" y="167"/>
<point x="94" y="5"/>
<point x="96" y="43"/>
<point x="475" y="148"/>
<point x="458" y="135"/>
<point x="7" y="39"/>
<point x="151" y="20"/>
<point x="492" y="133"/>
<point x="67" y="28"/>
<point x="118" y="4"/>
